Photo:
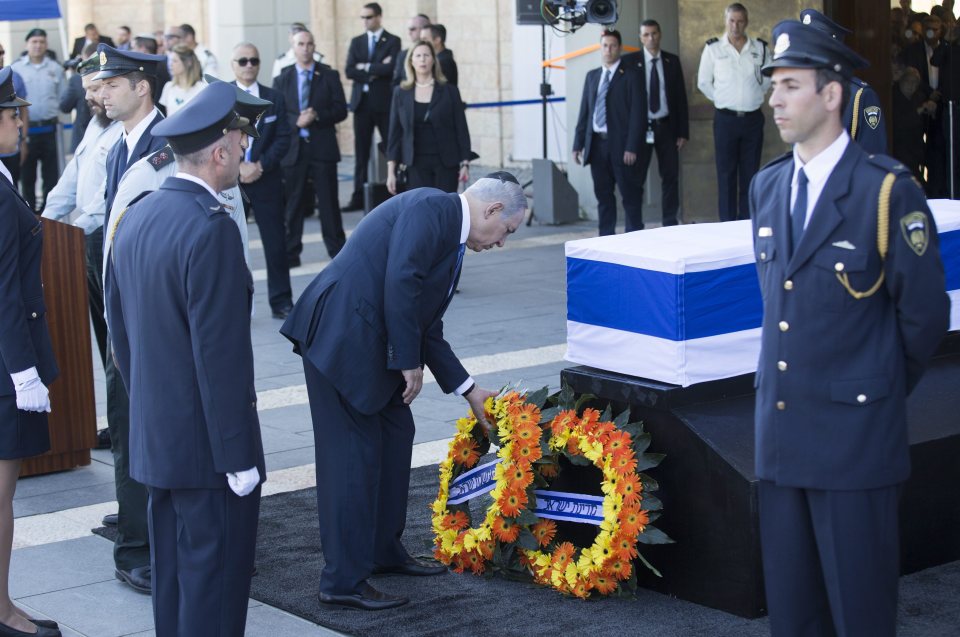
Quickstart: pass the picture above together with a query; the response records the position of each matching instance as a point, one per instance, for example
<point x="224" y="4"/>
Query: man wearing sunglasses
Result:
<point x="370" y="64"/>
<point x="414" y="26"/>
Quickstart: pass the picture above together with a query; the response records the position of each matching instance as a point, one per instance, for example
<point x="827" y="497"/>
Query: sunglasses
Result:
<point x="250" y="61"/>
<point x="367" y="17"/>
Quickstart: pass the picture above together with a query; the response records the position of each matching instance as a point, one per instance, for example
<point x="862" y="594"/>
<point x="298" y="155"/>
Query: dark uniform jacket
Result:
<point x="24" y="338"/>
<point x="626" y="112"/>
<point x="116" y="167"/>
<point x="834" y="371"/>
<point x="447" y="117"/>
<point x="274" y="142"/>
<point x="674" y="85"/>
<point x="326" y="98"/>
<point x="178" y="296"/>
<point x="863" y="120"/>
<point x="378" y="307"/>
<point x="380" y="75"/>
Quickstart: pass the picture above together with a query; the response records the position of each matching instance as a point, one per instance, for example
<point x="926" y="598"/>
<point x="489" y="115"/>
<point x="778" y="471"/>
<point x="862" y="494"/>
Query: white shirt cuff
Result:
<point x="459" y="391"/>
<point x="19" y="378"/>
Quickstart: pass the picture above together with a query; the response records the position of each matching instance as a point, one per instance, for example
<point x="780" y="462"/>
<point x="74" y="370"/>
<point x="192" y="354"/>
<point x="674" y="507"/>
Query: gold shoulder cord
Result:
<point x="856" y="113"/>
<point x="883" y="239"/>
<point x="113" y="233"/>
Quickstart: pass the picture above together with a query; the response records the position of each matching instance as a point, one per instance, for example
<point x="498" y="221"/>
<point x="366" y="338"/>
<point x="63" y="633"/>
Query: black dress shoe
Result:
<point x="411" y="567"/>
<point x="282" y="312"/>
<point x="353" y="206"/>
<point x="46" y="623"/>
<point x="109" y="519"/>
<point x="369" y="599"/>
<point x="136" y="578"/>
<point x="42" y="631"/>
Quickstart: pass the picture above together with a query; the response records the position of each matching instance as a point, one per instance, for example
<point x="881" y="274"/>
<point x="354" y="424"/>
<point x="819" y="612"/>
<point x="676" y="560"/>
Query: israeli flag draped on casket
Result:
<point x="681" y="305"/>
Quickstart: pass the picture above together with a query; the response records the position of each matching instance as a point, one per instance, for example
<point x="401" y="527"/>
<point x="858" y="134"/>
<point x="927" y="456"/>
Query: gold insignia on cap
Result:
<point x="783" y="43"/>
<point x="915" y="233"/>
<point x="103" y="58"/>
<point x="872" y="115"/>
<point x="806" y="19"/>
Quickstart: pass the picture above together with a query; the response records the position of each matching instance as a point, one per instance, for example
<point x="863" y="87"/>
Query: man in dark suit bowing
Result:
<point x="365" y="327"/>
<point x="315" y="104"/>
<point x="90" y="36"/>
<point x="127" y="84"/>
<point x="261" y="177"/>
<point x="608" y="135"/>
<point x="370" y="64"/>
<point x="178" y="301"/>
<point x="667" y="122"/>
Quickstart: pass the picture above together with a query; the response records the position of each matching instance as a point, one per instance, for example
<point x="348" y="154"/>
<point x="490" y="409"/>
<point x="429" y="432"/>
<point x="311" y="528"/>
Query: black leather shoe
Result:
<point x="136" y="578"/>
<point x="353" y="206"/>
<point x="369" y="599"/>
<point x="42" y="631"/>
<point x="282" y="312"/>
<point x="46" y="623"/>
<point x="109" y="519"/>
<point x="411" y="567"/>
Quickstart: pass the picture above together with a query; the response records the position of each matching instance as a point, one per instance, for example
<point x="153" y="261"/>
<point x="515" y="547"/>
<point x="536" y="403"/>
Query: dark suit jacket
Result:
<point x="77" y="50"/>
<point x="378" y="307"/>
<point x="834" y="371"/>
<point x="24" y="338"/>
<point x="178" y="297"/>
<point x="147" y="145"/>
<point x="448" y="66"/>
<point x="74" y="97"/>
<point x="671" y="73"/>
<point x="915" y="55"/>
<point x="326" y="98"/>
<point x="626" y="113"/>
<point x="449" y="123"/>
<point x="271" y="147"/>
<point x="380" y="75"/>
<point x="400" y="69"/>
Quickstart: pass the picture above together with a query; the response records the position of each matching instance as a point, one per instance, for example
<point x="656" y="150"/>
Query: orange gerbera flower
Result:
<point x="633" y="520"/>
<point x="527" y="413"/>
<point x="582" y="589"/>
<point x="615" y="441"/>
<point x="573" y="445"/>
<point x="603" y="583"/>
<point x="519" y="477"/>
<point x="486" y="549"/>
<point x="505" y="530"/>
<point x="566" y="419"/>
<point x="544" y="531"/>
<point x="624" y="462"/>
<point x="526" y="433"/>
<point x="456" y="521"/>
<point x="630" y="488"/>
<point x="549" y="471"/>
<point x="526" y="454"/>
<point x="624" y="546"/>
<point x="440" y="556"/>
<point x="465" y="452"/>
<point x="512" y="501"/>
<point x="476" y="562"/>
<point x="459" y="564"/>
<point x="589" y="419"/>
<point x="562" y="556"/>
<point x="618" y="568"/>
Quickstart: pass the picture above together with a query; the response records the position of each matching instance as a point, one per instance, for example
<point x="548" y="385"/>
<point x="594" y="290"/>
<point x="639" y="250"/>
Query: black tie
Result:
<point x="654" y="87"/>
<point x="799" y="214"/>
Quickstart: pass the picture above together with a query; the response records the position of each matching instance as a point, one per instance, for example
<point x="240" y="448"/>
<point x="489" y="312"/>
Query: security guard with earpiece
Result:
<point x="854" y="306"/>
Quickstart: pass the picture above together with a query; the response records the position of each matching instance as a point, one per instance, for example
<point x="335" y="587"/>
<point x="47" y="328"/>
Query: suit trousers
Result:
<point x="830" y="560"/>
<point x="367" y="117"/>
<point x="202" y="555"/>
<point x="668" y="163"/>
<point x="269" y="211"/>
<point x="608" y="172"/>
<point x="738" y="144"/>
<point x="427" y="171"/>
<point x="42" y="149"/>
<point x="324" y="175"/>
<point x="363" y="477"/>
<point x="94" y="258"/>
<point x="131" y="549"/>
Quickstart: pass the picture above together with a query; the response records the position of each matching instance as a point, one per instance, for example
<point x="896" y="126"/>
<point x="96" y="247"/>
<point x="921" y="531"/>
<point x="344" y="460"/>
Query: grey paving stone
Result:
<point x="267" y="621"/>
<point x="275" y="440"/>
<point x="66" y="499"/>
<point x="294" y="419"/>
<point x="104" y="609"/>
<point x="39" y="570"/>
<point x="92" y="474"/>
<point x="288" y="459"/>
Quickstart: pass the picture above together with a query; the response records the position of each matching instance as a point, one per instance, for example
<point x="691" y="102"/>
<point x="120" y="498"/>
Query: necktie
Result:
<point x="799" y="213"/>
<point x="371" y="42"/>
<point x="654" y="86"/>
<point x="246" y="155"/>
<point x="304" y="98"/>
<point x="600" y="110"/>
<point x="456" y="271"/>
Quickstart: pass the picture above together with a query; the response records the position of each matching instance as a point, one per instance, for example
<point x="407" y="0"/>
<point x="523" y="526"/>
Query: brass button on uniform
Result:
<point x="784" y="326"/>
<point x="782" y="366"/>
<point x="763" y="256"/>
<point x="781" y="405"/>
<point x="838" y="267"/>
<point x="788" y="285"/>
<point x="862" y="398"/>
<point x="33" y="315"/>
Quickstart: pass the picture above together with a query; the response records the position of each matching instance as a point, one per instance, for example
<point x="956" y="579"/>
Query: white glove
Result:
<point x="32" y="394"/>
<point x="243" y="482"/>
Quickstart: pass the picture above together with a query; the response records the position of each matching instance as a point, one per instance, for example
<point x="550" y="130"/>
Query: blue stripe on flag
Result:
<point x="950" y="253"/>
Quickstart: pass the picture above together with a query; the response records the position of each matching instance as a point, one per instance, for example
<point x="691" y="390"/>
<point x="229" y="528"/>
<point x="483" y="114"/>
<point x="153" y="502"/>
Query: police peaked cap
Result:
<point x="815" y="19"/>
<point x="90" y="65"/>
<point x="247" y="105"/>
<point x="8" y="94"/>
<point x="799" y="46"/>
<point x="114" y="62"/>
<point x="205" y="119"/>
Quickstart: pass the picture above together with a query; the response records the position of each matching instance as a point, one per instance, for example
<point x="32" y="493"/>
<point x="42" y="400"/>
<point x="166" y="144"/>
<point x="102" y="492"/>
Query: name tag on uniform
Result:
<point x="765" y="232"/>
<point x="649" y="135"/>
<point x="271" y="118"/>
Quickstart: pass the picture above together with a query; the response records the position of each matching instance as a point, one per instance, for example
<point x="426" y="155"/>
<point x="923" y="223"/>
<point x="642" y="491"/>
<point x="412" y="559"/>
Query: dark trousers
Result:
<point x="201" y="557"/>
<point x="830" y="560"/>
<point x="668" y="162"/>
<point x="94" y="254"/>
<point x="132" y="546"/>
<point x="608" y="172"/>
<point x="738" y="144"/>
<point x="324" y="175"/>
<point x="365" y="119"/>
<point x="13" y="165"/>
<point x="41" y="149"/>
<point x="363" y="476"/>
<point x="268" y="210"/>
<point x="429" y="171"/>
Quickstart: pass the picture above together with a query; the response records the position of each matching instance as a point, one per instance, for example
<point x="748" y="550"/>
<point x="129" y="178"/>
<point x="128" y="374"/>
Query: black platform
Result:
<point x="709" y="489"/>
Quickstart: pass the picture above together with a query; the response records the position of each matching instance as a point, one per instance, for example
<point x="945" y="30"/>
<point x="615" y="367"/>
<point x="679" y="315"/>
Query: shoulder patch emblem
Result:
<point x="712" y="41"/>
<point x="161" y="158"/>
<point x="913" y="226"/>
<point x="872" y="115"/>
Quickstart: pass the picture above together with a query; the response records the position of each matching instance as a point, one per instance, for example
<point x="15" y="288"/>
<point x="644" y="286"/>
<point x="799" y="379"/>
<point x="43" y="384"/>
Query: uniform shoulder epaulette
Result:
<point x="712" y="41"/>
<point x="138" y="198"/>
<point x="778" y="160"/>
<point x="888" y="164"/>
<point x="161" y="158"/>
<point x="281" y="56"/>
<point x="763" y="42"/>
<point x="859" y="82"/>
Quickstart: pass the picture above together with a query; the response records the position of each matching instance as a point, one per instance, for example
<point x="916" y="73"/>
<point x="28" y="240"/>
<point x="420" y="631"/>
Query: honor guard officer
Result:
<point x="862" y="117"/>
<point x="729" y="75"/>
<point x="178" y="303"/>
<point x="854" y="306"/>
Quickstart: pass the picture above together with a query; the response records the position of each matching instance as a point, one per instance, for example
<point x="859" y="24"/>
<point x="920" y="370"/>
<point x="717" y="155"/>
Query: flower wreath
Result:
<point x="512" y="538"/>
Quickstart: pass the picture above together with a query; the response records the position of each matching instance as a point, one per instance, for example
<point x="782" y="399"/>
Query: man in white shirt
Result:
<point x="729" y="75"/>
<point x="208" y="61"/>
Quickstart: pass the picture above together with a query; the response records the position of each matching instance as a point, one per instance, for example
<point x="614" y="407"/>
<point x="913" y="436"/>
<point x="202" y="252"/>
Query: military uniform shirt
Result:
<point x="44" y="83"/>
<point x="731" y="79"/>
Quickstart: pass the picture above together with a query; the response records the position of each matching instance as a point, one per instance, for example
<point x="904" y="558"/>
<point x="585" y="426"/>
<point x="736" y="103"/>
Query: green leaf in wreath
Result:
<point x="547" y="415"/>
<point x="652" y="516"/>
<point x="527" y="517"/>
<point x="653" y="535"/>
<point x="527" y="540"/>
<point x="622" y="419"/>
<point x="583" y="400"/>
<point x="648" y="565"/>
<point x="649" y="484"/>
<point x="577" y="459"/>
<point x="539" y="397"/>
<point x="567" y="398"/>
<point x="635" y="429"/>
<point x="651" y="503"/>
<point x="640" y="443"/>
<point x="649" y="460"/>
<point x="607" y="414"/>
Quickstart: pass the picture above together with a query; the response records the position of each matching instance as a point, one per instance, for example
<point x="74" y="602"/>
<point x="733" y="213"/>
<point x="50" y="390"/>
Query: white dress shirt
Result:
<point x="731" y="79"/>
<point x="817" y="170"/>
<point x="464" y="233"/>
<point x="612" y="70"/>
<point x="648" y="69"/>
<point x="134" y="135"/>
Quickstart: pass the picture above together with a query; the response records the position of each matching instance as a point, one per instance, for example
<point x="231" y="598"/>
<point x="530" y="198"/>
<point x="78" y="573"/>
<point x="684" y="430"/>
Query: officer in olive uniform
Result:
<point x="849" y="325"/>
<point x="862" y="116"/>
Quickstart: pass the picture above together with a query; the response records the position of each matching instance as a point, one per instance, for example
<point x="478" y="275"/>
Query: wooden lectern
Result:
<point x="73" y="421"/>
